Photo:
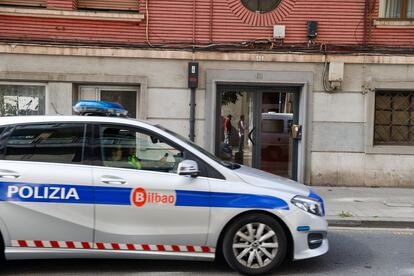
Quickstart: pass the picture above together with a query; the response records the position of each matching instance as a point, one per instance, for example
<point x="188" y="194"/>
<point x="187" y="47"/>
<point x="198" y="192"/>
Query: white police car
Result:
<point x="94" y="186"/>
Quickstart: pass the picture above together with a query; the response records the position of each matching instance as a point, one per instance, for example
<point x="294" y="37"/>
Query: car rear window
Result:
<point x="56" y="143"/>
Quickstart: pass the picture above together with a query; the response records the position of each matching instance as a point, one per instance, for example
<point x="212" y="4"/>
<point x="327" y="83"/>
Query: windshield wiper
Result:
<point x="230" y="165"/>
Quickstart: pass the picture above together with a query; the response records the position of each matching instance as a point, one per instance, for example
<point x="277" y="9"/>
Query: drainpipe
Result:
<point x="194" y="22"/>
<point x="192" y="84"/>
<point x="369" y="7"/>
<point x="192" y="113"/>
<point x="193" y="80"/>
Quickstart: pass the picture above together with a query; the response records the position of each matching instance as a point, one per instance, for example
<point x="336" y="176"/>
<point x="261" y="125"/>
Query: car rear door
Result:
<point x="46" y="192"/>
<point x="141" y="202"/>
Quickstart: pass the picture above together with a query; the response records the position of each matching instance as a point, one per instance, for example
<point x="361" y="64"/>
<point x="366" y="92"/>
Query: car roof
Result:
<point x="74" y="118"/>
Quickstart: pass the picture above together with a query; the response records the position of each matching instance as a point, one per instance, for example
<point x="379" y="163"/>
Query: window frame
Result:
<point x="210" y="172"/>
<point x="42" y="4"/>
<point x="94" y="92"/>
<point x="370" y="147"/>
<point x="10" y="128"/>
<point x="99" y="7"/>
<point x="47" y="97"/>
<point x="403" y="12"/>
<point x="392" y="111"/>
<point x="258" y="10"/>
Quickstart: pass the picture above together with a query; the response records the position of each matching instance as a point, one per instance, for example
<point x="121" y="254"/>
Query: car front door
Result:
<point x="141" y="202"/>
<point x="46" y="193"/>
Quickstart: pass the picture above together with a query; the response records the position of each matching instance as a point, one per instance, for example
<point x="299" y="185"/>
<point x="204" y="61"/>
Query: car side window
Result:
<point x="54" y="142"/>
<point x="123" y="147"/>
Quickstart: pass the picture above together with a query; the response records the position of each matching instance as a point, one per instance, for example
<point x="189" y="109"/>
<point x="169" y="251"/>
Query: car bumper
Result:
<point x="309" y="234"/>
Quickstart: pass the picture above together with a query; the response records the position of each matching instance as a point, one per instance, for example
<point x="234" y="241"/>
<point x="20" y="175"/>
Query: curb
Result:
<point x="370" y="223"/>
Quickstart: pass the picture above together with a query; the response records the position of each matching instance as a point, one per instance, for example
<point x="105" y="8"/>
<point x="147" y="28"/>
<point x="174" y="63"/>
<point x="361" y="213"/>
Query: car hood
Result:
<point x="266" y="180"/>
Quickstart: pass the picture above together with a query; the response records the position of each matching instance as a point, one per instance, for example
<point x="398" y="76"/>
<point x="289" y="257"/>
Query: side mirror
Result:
<point x="188" y="167"/>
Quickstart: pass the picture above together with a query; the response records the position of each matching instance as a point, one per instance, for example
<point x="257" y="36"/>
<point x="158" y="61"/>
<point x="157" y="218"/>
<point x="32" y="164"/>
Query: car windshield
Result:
<point x="227" y="164"/>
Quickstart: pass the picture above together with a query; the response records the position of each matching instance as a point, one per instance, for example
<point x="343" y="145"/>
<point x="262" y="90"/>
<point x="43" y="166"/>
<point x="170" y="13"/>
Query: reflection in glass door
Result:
<point x="236" y="122"/>
<point x="254" y="128"/>
<point x="277" y="145"/>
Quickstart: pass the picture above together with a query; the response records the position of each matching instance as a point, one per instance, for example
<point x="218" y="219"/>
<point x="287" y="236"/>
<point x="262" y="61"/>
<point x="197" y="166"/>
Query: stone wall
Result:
<point x="339" y="148"/>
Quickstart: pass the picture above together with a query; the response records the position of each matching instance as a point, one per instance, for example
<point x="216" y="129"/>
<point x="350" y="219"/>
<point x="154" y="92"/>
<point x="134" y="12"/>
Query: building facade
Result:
<point x="340" y="72"/>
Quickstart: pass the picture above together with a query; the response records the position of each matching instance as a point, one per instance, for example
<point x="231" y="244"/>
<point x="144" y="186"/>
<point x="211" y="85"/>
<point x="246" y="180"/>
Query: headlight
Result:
<point x="308" y="204"/>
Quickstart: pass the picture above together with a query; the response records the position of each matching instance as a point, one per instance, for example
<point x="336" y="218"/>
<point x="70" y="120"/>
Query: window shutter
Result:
<point x="28" y="3"/>
<point x="124" y="5"/>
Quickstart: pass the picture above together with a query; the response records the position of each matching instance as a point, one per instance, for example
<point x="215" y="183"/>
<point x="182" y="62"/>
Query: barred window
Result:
<point x="394" y="118"/>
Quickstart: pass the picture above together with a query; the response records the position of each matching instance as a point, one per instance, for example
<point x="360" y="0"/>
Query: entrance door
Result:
<point x="254" y="127"/>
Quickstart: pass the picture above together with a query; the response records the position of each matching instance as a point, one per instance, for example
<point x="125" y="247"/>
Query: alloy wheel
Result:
<point x="255" y="245"/>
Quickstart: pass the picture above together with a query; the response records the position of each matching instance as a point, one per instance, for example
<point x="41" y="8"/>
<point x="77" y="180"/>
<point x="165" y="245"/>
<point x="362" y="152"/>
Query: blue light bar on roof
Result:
<point x="100" y="108"/>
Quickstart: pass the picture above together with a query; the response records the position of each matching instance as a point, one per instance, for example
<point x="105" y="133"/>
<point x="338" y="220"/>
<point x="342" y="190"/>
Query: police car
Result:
<point x="113" y="187"/>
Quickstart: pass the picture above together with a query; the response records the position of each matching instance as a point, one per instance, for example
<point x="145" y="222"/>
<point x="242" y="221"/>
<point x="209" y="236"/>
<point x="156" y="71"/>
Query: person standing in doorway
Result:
<point x="227" y="129"/>
<point x="241" y="129"/>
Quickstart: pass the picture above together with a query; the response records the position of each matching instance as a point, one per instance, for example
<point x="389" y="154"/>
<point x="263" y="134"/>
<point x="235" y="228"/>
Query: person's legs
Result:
<point x="241" y="143"/>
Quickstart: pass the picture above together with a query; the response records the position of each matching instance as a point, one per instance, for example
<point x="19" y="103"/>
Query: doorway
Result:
<point x="253" y="127"/>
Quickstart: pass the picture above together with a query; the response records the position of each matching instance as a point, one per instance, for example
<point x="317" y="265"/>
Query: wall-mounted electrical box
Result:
<point x="336" y="74"/>
<point x="336" y="71"/>
<point x="279" y="31"/>
<point x="193" y="75"/>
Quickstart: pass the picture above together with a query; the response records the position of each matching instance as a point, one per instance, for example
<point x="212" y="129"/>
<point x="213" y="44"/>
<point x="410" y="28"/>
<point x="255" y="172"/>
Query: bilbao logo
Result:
<point x="141" y="197"/>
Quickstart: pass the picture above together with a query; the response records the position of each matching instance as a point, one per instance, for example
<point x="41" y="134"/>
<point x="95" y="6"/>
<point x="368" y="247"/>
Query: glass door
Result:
<point x="236" y="125"/>
<point x="254" y="127"/>
<point x="277" y="147"/>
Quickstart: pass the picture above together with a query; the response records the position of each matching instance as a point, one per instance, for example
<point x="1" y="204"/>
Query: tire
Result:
<point x="250" y="249"/>
<point x="2" y="250"/>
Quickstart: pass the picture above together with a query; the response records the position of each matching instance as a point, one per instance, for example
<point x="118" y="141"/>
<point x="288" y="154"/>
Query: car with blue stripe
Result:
<point x="114" y="187"/>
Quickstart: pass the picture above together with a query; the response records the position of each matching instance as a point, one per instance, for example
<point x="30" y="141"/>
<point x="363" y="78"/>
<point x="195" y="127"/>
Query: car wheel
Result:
<point x="2" y="251"/>
<point x="254" y="244"/>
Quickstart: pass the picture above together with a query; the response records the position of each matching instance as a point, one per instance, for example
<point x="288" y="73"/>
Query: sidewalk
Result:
<point x="368" y="207"/>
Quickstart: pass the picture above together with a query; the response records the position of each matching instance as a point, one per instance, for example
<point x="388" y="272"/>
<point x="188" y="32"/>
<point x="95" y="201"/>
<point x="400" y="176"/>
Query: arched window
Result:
<point x="261" y="6"/>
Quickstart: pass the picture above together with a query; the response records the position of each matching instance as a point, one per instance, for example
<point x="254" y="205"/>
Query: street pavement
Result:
<point x="371" y="207"/>
<point x="353" y="251"/>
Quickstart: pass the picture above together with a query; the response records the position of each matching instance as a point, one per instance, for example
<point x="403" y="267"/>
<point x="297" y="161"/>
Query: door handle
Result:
<point x="250" y="135"/>
<point x="9" y="174"/>
<point x="112" y="180"/>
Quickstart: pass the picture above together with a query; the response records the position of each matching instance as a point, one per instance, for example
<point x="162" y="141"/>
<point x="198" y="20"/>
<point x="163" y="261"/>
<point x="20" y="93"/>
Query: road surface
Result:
<point x="354" y="251"/>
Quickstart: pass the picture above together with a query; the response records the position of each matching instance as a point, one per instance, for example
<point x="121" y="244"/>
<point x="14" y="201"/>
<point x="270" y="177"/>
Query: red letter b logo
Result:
<point x="139" y="196"/>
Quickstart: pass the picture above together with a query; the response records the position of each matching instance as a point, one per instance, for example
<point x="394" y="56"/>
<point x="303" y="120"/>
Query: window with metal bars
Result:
<point x="394" y="118"/>
<point x="24" y="3"/>
<point x="397" y="9"/>
<point x="109" y="5"/>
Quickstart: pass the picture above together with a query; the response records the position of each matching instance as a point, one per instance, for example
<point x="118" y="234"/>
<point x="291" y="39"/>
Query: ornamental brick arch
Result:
<point x="261" y="19"/>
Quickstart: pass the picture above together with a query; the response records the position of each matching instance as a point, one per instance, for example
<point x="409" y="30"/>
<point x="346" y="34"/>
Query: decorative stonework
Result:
<point x="261" y="19"/>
